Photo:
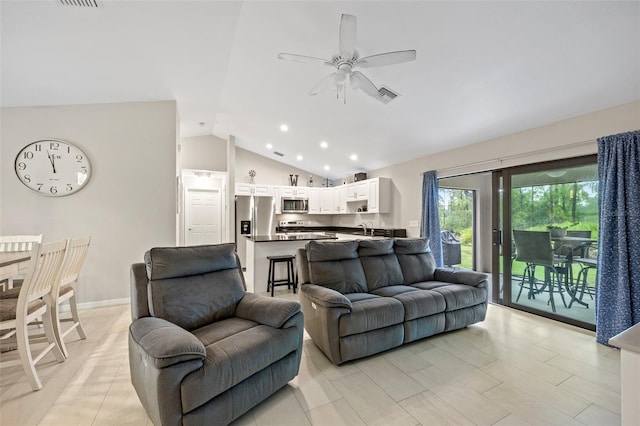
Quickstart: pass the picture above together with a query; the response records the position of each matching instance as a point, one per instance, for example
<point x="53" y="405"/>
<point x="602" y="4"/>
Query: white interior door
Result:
<point x="204" y="217"/>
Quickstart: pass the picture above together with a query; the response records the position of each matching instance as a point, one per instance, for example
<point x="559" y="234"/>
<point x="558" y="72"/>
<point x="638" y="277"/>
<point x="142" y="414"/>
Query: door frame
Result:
<point x="191" y="179"/>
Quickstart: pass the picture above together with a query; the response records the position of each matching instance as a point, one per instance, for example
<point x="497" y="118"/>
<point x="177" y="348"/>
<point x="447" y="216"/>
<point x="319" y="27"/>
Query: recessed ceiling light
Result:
<point x="327" y="167"/>
<point x="324" y="144"/>
<point x="299" y="157"/>
<point x="269" y="146"/>
<point x="354" y="157"/>
<point x="284" y="127"/>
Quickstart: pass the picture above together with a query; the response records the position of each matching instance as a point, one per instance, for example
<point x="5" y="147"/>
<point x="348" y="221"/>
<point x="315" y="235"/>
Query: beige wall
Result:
<point x="203" y="153"/>
<point x="268" y="171"/>
<point x="564" y="139"/>
<point x="128" y="206"/>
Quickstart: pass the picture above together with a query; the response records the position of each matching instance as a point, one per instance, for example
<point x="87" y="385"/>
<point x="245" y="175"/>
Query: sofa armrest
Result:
<point x="325" y="297"/>
<point x="266" y="310"/>
<point x="164" y="343"/>
<point x="460" y="276"/>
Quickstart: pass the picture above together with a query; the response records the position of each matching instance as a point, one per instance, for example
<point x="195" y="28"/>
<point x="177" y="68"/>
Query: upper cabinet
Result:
<point x="368" y="196"/>
<point x="294" y="191"/>
<point x="253" y="189"/>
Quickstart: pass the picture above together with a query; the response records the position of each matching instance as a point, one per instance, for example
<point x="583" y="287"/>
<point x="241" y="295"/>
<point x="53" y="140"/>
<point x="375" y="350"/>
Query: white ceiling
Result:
<point x="483" y="69"/>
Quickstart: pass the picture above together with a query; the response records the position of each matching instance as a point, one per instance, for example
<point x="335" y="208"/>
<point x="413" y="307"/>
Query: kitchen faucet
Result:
<point x="371" y="228"/>
<point x="364" y="228"/>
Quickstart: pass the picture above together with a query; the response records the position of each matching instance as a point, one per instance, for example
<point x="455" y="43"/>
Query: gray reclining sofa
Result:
<point x="203" y="351"/>
<point x="363" y="297"/>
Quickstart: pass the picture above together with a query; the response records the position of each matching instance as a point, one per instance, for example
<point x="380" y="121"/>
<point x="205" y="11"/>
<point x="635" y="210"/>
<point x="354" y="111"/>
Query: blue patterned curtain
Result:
<point x="618" y="289"/>
<point x="430" y="225"/>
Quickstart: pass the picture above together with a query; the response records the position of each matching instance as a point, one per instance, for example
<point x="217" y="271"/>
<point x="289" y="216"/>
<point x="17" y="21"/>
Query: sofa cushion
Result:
<point x="375" y="247"/>
<point x="336" y="266"/>
<point x="371" y="314"/>
<point x="380" y="264"/>
<point x="356" y="297"/>
<point x="231" y="360"/>
<point x="209" y="291"/>
<point x="416" y="261"/>
<point x="416" y="302"/>
<point x="217" y="331"/>
<point x="457" y="296"/>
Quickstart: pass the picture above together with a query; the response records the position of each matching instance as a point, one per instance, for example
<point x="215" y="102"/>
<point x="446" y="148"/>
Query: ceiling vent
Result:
<point x="387" y="95"/>
<point x="278" y="153"/>
<point x="79" y="3"/>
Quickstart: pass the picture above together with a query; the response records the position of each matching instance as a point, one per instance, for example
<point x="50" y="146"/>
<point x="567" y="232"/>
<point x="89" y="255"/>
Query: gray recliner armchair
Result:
<point x="201" y="349"/>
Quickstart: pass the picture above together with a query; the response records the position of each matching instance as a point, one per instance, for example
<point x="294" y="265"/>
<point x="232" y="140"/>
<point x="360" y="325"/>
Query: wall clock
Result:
<point x="52" y="167"/>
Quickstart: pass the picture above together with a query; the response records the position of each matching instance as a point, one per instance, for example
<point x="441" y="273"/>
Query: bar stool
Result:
<point x="291" y="276"/>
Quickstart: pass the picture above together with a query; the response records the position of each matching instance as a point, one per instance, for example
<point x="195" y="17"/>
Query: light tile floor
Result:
<point x="511" y="369"/>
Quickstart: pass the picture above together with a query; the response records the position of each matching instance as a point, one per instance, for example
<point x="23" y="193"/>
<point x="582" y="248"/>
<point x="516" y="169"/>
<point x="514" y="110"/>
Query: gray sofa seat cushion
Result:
<point x="371" y="314"/>
<point x="416" y="261"/>
<point x="219" y="330"/>
<point x="417" y="303"/>
<point x="336" y="266"/>
<point x="457" y="296"/>
<point x="356" y="297"/>
<point x="194" y="286"/>
<point x="233" y="359"/>
<point x="165" y="344"/>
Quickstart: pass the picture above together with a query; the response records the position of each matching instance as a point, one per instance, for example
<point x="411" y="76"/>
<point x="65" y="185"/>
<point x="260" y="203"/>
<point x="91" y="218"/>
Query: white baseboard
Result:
<point x="99" y="304"/>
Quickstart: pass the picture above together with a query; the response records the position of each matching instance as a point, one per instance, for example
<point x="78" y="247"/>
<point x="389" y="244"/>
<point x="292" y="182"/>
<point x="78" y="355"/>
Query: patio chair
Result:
<point x="534" y="249"/>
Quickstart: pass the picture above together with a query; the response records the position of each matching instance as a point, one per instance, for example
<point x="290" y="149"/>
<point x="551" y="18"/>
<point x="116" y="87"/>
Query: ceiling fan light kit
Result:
<point x="347" y="59"/>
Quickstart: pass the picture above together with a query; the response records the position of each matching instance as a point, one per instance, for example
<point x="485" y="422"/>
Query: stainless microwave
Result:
<point x="295" y="205"/>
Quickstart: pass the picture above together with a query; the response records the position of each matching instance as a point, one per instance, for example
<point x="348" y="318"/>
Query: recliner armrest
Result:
<point x="165" y="343"/>
<point x="459" y="276"/>
<point x="266" y="310"/>
<point x="325" y="297"/>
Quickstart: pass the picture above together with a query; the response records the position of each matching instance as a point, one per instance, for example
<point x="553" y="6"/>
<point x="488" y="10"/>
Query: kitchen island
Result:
<point x="261" y="246"/>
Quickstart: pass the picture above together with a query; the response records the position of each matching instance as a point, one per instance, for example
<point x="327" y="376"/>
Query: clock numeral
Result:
<point x="79" y="158"/>
<point x="28" y="155"/>
<point x="27" y="178"/>
<point x="69" y="187"/>
<point x="40" y="185"/>
<point x="38" y="147"/>
<point x="53" y="189"/>
<point x="22" y="166"/>
<point x="54" y="145"/>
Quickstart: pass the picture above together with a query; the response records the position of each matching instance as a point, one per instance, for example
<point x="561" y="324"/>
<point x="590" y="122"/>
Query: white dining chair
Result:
<point x="68" y="291"/>
<point x="38" y="293"/>
<point x="16" y="243"/>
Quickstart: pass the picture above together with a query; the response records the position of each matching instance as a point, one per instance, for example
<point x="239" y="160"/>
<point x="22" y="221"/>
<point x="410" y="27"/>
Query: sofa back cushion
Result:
<point x="415" y="258"/>
<point x="336" y="265"/>
<point x="194" y="286"/>
<point x="380" y="263"/>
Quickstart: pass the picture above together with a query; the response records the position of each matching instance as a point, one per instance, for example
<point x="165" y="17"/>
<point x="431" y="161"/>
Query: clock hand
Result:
<point x="53" y="161"/>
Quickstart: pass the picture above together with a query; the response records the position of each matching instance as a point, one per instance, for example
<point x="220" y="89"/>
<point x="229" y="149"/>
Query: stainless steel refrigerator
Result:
<point x="254" y="216"/>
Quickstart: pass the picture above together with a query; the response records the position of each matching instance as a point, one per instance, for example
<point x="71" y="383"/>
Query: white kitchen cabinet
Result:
<point x="326" y="201"/>
<point x="253" y="189"/>
<point x="352" y="192"/>
<point x="362" y="190"/>
<point x="314" y="200"/>
<point x="379" y="195"/>
<point x="294" y="191"/>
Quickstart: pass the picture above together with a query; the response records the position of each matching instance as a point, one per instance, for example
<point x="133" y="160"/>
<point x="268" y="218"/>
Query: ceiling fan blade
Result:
<point x="302" y="58"/>
<point x="347" y="40"/>
<point x="360" y="81"/>
<point x="322" y="84"/>
<point x="388" y="58"/>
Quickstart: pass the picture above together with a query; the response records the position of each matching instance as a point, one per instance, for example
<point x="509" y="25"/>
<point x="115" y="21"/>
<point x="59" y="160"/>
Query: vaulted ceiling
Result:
<point x="483" y="69"/>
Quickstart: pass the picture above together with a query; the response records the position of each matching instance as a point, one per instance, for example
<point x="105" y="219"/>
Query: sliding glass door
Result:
<point x="547" y="239"/>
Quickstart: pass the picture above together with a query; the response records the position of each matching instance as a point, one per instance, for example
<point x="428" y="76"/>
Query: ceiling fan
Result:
<point x="347" y="59"/>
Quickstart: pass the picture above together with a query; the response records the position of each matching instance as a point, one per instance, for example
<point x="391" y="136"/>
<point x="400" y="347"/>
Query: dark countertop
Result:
<point x="296" y="237"/>
<point x="378" y="232"/>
